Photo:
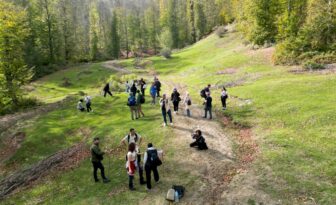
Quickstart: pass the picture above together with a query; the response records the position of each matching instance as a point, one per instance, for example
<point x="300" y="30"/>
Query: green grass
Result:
<point x="293" y="117"/>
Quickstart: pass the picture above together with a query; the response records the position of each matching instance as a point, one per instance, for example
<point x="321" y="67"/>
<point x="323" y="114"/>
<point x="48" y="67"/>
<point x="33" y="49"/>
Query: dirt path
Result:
<point x="113" y="65"/>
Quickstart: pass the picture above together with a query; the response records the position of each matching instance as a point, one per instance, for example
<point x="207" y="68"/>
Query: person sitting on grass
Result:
<point x="96" y="158"/>
<point x="133" y="107"/>
<point x="199" y="141"/>
<point x="152" y="161"/>
<point x="80" y="105"/>
<point x="87" y="100"/>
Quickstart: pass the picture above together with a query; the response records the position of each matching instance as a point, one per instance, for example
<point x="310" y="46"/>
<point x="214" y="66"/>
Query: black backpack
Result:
<point x="180" y="190"/>
<point x="189" y="102"/>
<point x="142" y="99"/>
<point x="202" y="93"/>
<point x="153" y="158"/>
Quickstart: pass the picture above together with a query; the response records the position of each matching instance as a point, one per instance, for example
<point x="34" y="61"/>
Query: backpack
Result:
<point x="189" y="102"/>
<point x="153" y="158"/>
<point x="180" y="190"/>
<point x="131" y="101"/>
<point x="202" y="93"/>
<point x="142" y="99"/>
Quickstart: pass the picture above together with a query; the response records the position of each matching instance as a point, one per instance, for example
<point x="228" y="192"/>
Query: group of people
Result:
<point x="133" y="141"/>
<point x="152" y="159"/>
<point x="87" y="100"/>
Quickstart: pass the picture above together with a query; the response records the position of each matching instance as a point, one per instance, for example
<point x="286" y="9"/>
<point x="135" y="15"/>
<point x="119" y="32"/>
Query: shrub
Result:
<point x="221" y="31"/>
<point x="166" y="52"/>
<point x="310" y="65"/>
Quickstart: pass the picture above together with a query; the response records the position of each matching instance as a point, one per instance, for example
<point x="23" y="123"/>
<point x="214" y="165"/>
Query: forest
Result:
<point x="46" y="35"/>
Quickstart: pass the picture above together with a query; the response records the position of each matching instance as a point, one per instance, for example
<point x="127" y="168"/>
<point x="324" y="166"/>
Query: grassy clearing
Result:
<point x="293" y="116"/>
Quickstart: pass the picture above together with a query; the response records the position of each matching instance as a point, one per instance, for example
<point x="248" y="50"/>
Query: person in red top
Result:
<point x="131" y="165"/>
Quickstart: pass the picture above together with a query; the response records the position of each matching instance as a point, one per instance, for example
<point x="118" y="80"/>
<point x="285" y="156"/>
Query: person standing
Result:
<point x="224" y="97"/>
<point x="87" y="100"/>
<point x="127" y="86"/>
<point x="205" y="91"/>
<point x="153" y="91"/>
<point x="143" y="86"/>
<point x="107" y="90"/>
<point x="96" y="158"/>
<point x="165" y="109"/>
<point x="131" y="102"/>
<point x="208" y="106"/>
<point x="175" y="97"/>
<point x="140" y="99"/>
<point x="135" y="138"/>
<point x="131" y="165"/>
<point x="187" y="104"/>
<point x="134" y="89"/>
<point x="151" y="161"/>
<point x="158" y="86"/>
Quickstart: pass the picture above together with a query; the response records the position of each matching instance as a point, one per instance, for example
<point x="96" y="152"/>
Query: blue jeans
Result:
<point x="164" y="114"/>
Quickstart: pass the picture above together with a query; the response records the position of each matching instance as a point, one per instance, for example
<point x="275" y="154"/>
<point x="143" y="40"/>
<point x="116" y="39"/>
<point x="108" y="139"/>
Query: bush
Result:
<point x="310" y="65"/>
<point x="24" y="103"/>
<point x="221" y="31"/>
<point x="166" y="52"/>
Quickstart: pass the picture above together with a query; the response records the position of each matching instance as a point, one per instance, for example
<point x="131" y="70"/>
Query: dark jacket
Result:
<point x="175" y="97"/>
<point x="201" y="143"/>
<point x="208" y="102"/>
<point x="158" y="85"/>
<point x="134" y="89"/>
<point x="107" y="87"/>
<point x="96" y="153"/>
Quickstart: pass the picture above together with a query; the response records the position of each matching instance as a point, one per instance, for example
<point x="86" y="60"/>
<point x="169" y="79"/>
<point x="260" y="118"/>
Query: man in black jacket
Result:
<point x="96" y="158"/>
<point x="158" y="87"/>
<point x="199" y="141"/>
<point x="208" y="106"/>
<point x="107" y="90"/>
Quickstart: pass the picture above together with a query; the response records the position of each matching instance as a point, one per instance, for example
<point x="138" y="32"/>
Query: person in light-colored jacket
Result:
<point x="187" y="103"/>
<point x="165" y="109"/>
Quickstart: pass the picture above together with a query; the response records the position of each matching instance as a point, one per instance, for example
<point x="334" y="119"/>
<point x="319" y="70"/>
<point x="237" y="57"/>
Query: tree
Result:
<point x="115" y="41"/>
<point x="200" y="20"/>
<point x="13" y="33"/>
<point x="172" y="22"/>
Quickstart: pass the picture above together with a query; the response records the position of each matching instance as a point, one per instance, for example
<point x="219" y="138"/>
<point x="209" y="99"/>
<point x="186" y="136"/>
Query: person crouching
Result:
<point x="199" y="141"/>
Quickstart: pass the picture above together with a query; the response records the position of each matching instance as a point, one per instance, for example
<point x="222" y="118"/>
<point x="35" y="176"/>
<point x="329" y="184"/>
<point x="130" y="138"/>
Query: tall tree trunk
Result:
<point x="192" y="18"/>
<point x="50" y="37"/>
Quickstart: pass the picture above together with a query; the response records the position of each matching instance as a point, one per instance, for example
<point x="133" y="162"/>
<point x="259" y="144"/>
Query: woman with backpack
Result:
<point x="140" y="100"/>
<point x="165" y="109"/>
<point x="133" y="106"/>
<point x="131" y="165"/>
<point x="187" y="104"/>
<point x="151" y="161"/>
<point x="224" y="97"/>
<point x="175" y="97"/>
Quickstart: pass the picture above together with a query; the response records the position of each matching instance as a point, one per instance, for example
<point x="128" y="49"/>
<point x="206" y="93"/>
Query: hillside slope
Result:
<point x="277" y="131"/>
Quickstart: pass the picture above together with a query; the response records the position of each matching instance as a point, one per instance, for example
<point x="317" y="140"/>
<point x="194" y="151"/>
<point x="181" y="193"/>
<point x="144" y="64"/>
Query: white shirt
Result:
<point x="132" y="140"/>
<point x="87" y="99"/>
<point x="167" y="105"/>
<point x="224" y="93"/>
<point x="131" y="156"/>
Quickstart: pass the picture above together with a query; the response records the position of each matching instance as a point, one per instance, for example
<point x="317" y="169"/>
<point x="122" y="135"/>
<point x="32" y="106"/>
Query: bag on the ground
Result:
<point x="202" y="93"/>
<point x="180" y="190"/>
<point x="131" y="101"/>
<point x="153" y="158"/>
<point x="170" y="195"/>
